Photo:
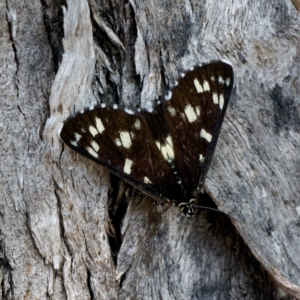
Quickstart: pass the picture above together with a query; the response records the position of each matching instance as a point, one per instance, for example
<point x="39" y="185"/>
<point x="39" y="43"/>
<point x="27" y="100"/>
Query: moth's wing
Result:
<point x="123" y="144"/>
<point x="194" y="115"/>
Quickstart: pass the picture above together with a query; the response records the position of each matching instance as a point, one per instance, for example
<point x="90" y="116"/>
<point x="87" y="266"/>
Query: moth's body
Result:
<point x="166" y="153"/>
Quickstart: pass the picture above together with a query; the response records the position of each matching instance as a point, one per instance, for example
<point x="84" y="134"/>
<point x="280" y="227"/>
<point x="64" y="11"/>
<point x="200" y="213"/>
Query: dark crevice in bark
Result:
<point x="72" y="181"/>
<point x="7" y="284"/>
<point x="31" y="233"/>
<point x="89" y="284"/>
<point x="110" y="94"/>
<point x="122" y="279"/>
<point x="104" y="21"/>
<point x="53" y="21"/>
<point x="115" y="35"/>
<point x="117" y="210"/>
<point x="62" y="151"/>
<point x="256" y="280"/>
<point x="285" y="111"/>
<point x="21" y="111"/>
<point x="163" y="74"/>
<point x="12" y="39"/>
<point x="59" y="211"/>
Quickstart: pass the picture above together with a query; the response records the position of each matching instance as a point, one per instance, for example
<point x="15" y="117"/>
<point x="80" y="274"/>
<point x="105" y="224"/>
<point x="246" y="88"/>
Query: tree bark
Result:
<point x="71" y="230"/>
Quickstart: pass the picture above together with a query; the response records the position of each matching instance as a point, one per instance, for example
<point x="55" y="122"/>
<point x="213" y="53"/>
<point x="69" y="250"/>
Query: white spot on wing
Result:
<point x="99" y="125"/>
<point x="204" y="134"/>
<point x="201" y="158"/>
<point x="132" y="135"/>
<point x="166" y="149"/>
<point x="221" y="101"/>
<point x="168" y="96"/>
<point x="93" y="130"/>
<point x="190" y="113"/>
<point x="137" y="124"/>
<point x="169" y="146"/>
<point x="227" y="81"/>
<point x="74" y="143"/>
<point x="125" y="139"/>
<point x="198" y="86"/>
<point x="171" y="111"/>
<point x="147" y="180"/>
<point x="115" y="106"/>
<point x="92" y="152"/>
<point x="220" y="80"/>
<point x="215" y="98"/>
<point x="129" y="111"/>
<point x="197" y="111"/>
<point x="206" y="86"/>
<point x="95" y="146"/>
<point x="118" y="142"/>
<point x="78" y="137"/>
<point x="149" y="109"/>
<point x="127" y="166"/>
<point x="158" y="144"/>
<point x="212" y="78"/>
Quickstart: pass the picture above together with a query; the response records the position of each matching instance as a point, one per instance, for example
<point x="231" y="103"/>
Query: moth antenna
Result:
<point x="213" y="209"/>
<point x="219" y="211"/>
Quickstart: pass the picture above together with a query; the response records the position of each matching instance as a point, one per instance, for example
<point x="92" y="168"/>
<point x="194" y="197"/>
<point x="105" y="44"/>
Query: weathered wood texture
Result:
<point x="66" y="230"/>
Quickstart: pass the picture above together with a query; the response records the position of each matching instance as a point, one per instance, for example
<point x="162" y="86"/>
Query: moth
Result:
<point x="165" y="153"/>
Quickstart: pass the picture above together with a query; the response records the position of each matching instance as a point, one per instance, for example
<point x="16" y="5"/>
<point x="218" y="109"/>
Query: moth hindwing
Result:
<point x="165" y="153"/>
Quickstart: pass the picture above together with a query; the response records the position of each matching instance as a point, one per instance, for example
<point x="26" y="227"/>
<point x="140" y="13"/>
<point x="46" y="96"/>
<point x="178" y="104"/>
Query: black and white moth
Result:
<point x="165" y="153"/>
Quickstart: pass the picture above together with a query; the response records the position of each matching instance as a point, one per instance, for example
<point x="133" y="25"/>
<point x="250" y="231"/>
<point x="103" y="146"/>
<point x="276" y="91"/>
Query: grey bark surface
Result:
<point x="69" y="230"/>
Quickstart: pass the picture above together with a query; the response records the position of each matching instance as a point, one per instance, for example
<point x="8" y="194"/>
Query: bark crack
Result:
<point x="11" y="21"/>
<point x="61" y="223"/>
<point x="89" y="284"/>
<point x="7" y="284"/>
<point x="113" y="37"/>
<point x="53" y="21"/>
<point x="21" y="111"/>
<point x="117" y="210"/>
<point x="32" y="233"/>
